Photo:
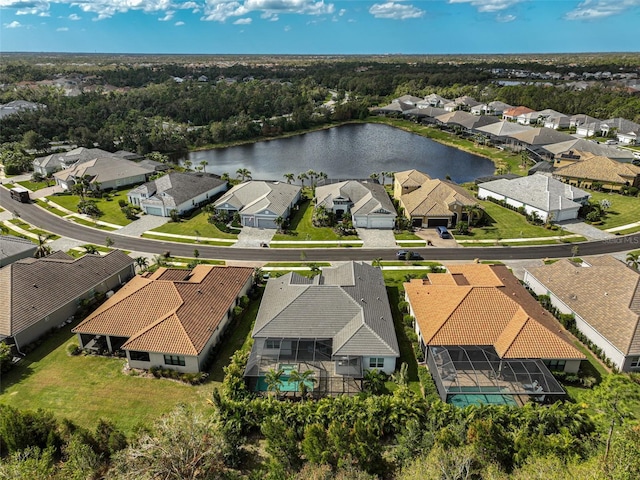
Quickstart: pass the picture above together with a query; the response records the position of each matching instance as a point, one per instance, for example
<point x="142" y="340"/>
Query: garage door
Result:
<point x="384" y="223"/>
<point x="154" y="211"/>
<point x="265" y="223"/>
<point x="437" y="222"/>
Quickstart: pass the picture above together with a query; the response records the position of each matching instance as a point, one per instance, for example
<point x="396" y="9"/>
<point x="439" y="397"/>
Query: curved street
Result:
<point x="39" y="217"/>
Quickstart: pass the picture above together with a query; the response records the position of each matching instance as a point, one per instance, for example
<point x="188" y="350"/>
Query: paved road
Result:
<point x="39" y="217"/>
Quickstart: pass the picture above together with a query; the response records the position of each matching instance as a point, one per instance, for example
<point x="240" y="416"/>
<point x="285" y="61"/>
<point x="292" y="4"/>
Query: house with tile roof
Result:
<point x="611" y="174"/>
<point x="499" y="133"/>
<point x="466" y="120"/>
<point x="181" y="192"/>
<point x="461" y="103"/>
<point x="556" y="150"/>
<point x="483" y="333"/>
<point x="538" y="137"/>
<point x="367" y="202"/>
<point x="38" y="295"/>
<point x="431" y="202"/>
<point x="433" y="100"/>
<point x="15" y="248"/>
<point x="60" y="160"/>
<point x="110" y="172"/>
<point x="496" y="108"/>
<point x="603" y="295"/>
<point x="625" y="130"/>
<point x="171" y="318"/>
<point x="337" y="324"/>
<point x="538" y="194"/>
<point x="512" y="114"/>
<point x="260" y="203"/>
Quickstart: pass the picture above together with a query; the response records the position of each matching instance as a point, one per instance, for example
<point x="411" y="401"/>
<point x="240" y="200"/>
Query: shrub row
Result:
<point x="190" y="378"/>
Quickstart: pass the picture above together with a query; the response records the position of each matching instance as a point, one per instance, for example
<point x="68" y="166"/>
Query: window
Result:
<point x="557" y="365"/>
<point x="635" y="362"/>
<point x="139" y="356"/>
<point x="174" y="360"/>
<point x="271" y="344"/>
<point x="376" y="362"/>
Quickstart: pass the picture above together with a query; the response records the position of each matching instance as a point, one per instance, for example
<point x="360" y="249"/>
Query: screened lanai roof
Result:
<point x="478" y="369"/>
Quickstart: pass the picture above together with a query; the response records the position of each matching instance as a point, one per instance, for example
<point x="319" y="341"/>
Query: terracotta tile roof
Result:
<point x="494" y="309"/>
<point x="602" y="169"/>
<point x="434" y="198"/>
<point x="606" y="295"/>
<point x="171" y="311"/>
<point x="411" y="178"/>
<point x="516" y="111"/>
<point x="31" y="289"/>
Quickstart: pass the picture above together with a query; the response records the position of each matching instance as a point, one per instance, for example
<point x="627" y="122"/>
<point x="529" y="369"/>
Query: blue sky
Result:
<point x="320" y="26"/>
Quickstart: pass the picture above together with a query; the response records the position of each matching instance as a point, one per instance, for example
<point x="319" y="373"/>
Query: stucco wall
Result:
<point x="388" y="368"/>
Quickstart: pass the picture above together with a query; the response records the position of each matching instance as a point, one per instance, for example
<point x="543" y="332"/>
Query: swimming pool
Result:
<point x="285" y="385"/>
<point x="464" y="400"/>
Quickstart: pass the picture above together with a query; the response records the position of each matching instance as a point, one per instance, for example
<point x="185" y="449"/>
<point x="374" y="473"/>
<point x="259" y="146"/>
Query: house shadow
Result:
<point x="406" y="348"/>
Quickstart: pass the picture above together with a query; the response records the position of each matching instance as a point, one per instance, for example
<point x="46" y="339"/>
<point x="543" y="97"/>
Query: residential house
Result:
<point x="512" y="114"/>
<point x="431" y="202"/>
<point x="461" y="103"/>
<point x="17" y="106"/>
<point x="176" y="191"/>
<point x="107" y="172"/>
<point x="611" y="174"/>
<point x="538" y="137"/>
<point x="581" y="119"/>
<point x="554" y="151"/>
<point x="559" y="121"/>
<point x="337" y="324"/>
<point x="603" y="295"/>
<point x="486" y="338"/>
<point x="588" y="129"/>
<point x="499" y="133"/>
<point x="425" y="114"/>
<point x="433" y="100"/>
<point x="367" y="202"/>
<point x="538" y="194"/>
<point x="625" y="130"/>
<point x="171" y="318"/>
<point x="60" y="160"/>
<point x="395" y="107"/>
<point x="465" y="120"/>
<point x="408" y="99"/>
<point x="37" y="295"/>
<point x="496" y="108"/>
<point x="15" y="248"/>
<point x="260" y="204"/>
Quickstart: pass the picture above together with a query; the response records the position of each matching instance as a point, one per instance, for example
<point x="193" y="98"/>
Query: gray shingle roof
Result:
<point x="582" y="145"/>
<point x="104" y="169"/>
<point x="255" y="196"/>
<point x="539" y="191"/>
<point x="11" y="246"/>
<point x="176" y="188"/>
<point x="347" y="303"/>
<point x="367" y="197"/>
<point x="541" y="136"/>
<point x="503" y="128"/>
<point x="31" y="289"/>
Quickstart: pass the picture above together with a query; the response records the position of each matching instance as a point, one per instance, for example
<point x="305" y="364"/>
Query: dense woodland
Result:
<point x="244" y="101"/>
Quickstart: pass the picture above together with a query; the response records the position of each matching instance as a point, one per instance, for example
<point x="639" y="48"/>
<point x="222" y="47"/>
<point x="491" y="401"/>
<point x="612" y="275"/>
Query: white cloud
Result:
<point x="168" y="16"/>
<point x="591" y="10"/>
<point x="179" y="24"/>
<point x="243" y="21"/>
<point x="342" y="11"/>
<point x="74" y="17"/>
<point x="287" y="28"/>
<point x="221" y="10"/>
<point x="14" y="24"/>
<point x="505" y="18"/>
<point x="489" y="5"/>
<point x="62" y="29"/>
<point x="395" y="11"/>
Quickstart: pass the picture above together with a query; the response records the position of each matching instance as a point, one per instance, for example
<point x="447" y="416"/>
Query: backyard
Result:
<point x="301" y="228"/>
<point x="111" y="212"/>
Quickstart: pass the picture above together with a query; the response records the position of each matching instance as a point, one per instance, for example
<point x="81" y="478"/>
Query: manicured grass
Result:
<point x="505" y="223"/>
<point x="201" y="260"/>
<point x="624" y="210"/>
<point x="296" y="264"/>
<point x="218" y="243"/>
<point x="108" y="206"/>
<point x="86" y="388"/>
<point x="30" y="228"/>
<point x="628" y="231"/>
<point x="385" y="263"/>
<point x="302" y="229"/>
<point x="51" y="208"/>
<point x="502" y="159"/>
<point x="316" y="245"/>
<point x="411" y="244"/>
<point x="33" y="186"/>
<point x="197" y="225"/>
<point x="91" y="223"/>
<point x="407" y="236"/>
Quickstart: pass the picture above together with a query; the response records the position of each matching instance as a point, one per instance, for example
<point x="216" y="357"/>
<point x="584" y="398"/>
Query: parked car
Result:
<point x="408" y="255"/>
<point x="443" y="232"/>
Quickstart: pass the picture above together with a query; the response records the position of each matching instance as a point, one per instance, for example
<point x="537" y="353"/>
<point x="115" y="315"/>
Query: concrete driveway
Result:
<point x="587" y="231"/>
<point x="376" y="238"/>
<point x="430" y="235"/>
<point x="251" y="237"/>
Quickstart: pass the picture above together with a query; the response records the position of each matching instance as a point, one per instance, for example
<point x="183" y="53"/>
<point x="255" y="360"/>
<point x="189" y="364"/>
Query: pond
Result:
<point x="347" y="152"/>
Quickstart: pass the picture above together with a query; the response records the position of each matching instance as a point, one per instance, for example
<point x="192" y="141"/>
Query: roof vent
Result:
<point x="35" y="286"/>
<point x="362" y="300"/>
<point x="199" y="291"/>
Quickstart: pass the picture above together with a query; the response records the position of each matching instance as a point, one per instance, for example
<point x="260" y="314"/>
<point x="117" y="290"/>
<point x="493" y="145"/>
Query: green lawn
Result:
<point x="196" y="225"/>
<point x="108" y="206"/>
<point x="303" y="230"/>
<point x="505" y="223"/>
<point x="295" y="264"/>
<point x="345" y="244"/>
<point x="91" y="223"/>
<point x="30" y="228"/>
<point x="50" y="208"/>
<point x="624" y="210"/>
<point x="33" y="186"/>
<point x="86" y="388"/>
<point x="405" y="235"/>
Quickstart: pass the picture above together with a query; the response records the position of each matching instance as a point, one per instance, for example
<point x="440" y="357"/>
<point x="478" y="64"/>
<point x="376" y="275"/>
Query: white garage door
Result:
<point x="265" y="223"/>
<point x="385" y="223"/>
<point x="154" y="211"/>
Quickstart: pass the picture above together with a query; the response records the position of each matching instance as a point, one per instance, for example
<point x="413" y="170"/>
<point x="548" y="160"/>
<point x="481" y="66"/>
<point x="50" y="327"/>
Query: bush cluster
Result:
<point x="532" y="218"/>
<point x="190" y="378"/>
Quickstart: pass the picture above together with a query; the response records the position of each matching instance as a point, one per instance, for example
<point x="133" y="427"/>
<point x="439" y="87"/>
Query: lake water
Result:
<point x="346" y="152"/>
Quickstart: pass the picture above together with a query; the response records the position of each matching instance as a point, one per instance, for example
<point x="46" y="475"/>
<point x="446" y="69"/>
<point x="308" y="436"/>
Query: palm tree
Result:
<point x="302" y="177"/>
<point x="90" y="249"/>
<point x="301" y="380"/>
<point x="374" y="176"/>
<point x="323" y="175"/>
<point x="289" y="176"/>
<point x="279" y="222"/>
<point x="42" y="250"/>
<point x="187" y="165"/>
<point x="273" y="379"/>
<point x="377" y="262"/>
<point x="225" y="177"/>
<point x="141" y="262"/>
<point x="312" y="176"/>
<point x="203" y="165"/>
<point x="475" y="214"/>
<point x="633" y="260"/>
<point x="243" y="174"/>
<point x="401" y="377"/>
<point x="374" y="381"/>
